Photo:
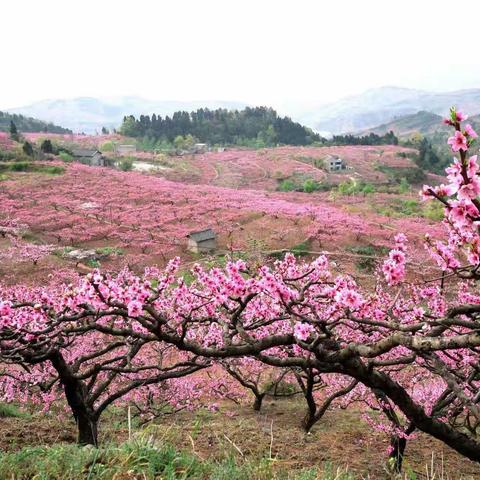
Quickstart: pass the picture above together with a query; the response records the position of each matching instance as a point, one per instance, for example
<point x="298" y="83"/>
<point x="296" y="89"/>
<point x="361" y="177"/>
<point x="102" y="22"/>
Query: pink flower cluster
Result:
<point x="394" y="267"/>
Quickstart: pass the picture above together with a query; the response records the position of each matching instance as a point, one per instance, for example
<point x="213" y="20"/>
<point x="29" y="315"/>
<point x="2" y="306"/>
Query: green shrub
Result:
<point x="287" y="186"/>
<point x="20" y="166"/>
<point x="27" y="149"/>
<point x="126" y="164"/>
<point x="52" y="170"/>
<point x="310" y="185"/>
<point x="65" y="157"/>
<point x="349" y="187"/>
<point x="107" y="147"/>
<point x="404" y="186"/>
<point x="368" y="188"/>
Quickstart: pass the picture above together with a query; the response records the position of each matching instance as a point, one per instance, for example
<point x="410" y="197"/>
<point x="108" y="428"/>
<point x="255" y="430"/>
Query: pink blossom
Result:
<point x="349" y="298"/>
<point x="470" y="190"/>
<point x="469" y="131"/>
<point x="5" y="308"/>
<point x="446" y="190"/>
<point x="458" y="142"/>
<point x="460" y="116"/>
<point x="302" y="331"/>
<point x="135" y="308"/>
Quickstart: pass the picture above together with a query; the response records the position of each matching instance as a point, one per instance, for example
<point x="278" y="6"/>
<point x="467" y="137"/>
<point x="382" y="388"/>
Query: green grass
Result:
<point x="300" y="250"/>
<point x="8" y="410"/>
<point x="24" y="166"/>
<point x="412" y="175"/>
<point x="399" y="207"/>
<point x="62" y="252"/>
<point x="368" y="264"/>
<point x="146" y="460"/>
<point x="109" y="251"/>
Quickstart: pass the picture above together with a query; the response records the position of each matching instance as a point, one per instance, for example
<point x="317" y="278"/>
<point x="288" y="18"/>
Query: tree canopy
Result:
<point x="28" y="124"/>
<point x="221" y="126"/>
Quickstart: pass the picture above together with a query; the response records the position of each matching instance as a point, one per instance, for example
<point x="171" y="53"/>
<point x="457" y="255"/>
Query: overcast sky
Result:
<point x="260" y="52"/>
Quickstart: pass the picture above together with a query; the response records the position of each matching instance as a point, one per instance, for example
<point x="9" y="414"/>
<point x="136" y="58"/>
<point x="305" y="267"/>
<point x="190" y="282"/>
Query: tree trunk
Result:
<point x="87" y="430"/>
<point x="398" y="445"/>
<point x="309" y="421"/>
<point x="76" y="394"/>
<point x="460" y="442"/>
<point x="257" y="404"/>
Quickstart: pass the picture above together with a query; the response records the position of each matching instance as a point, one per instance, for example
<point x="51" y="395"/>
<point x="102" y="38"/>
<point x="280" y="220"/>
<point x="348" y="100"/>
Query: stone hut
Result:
<point x="202" y="241"/>
<point x="94" y="158"/>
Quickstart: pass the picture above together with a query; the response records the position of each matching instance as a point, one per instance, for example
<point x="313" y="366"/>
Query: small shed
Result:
<point x="94" y="158"/>
<point x="202" y="241"/>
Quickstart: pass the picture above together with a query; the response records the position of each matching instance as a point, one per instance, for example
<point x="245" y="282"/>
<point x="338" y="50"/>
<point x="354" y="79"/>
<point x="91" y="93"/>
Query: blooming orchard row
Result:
<point x="147" y="215"/>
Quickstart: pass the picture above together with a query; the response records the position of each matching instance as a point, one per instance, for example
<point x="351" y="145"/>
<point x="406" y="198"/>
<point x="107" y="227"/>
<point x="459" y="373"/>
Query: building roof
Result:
<point x="84" y="152"/>
<point x="202" y="235"/>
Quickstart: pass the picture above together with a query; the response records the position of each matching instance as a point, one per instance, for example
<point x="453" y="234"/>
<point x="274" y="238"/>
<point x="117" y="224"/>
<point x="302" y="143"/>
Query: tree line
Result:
<point x="249" y="127"/>
<point x="388" y="138"/>
<point x="28" y="124"/>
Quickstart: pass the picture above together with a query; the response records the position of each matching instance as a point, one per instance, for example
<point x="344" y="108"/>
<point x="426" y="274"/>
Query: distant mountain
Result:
<point x="422" y="122"/>
<point x="382" y="105"/>
<point x="28" y="124"/>
<point x="352" y="114"/>
<point x="88" y="114"/>
<point x="425" y="123"/>
<point x="428" y="125"/>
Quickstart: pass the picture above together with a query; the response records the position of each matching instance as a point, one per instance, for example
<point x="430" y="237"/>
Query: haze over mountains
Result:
<point x="353" y="114"/>
<point x="381" y="105"/>
<point x="89" y="114"/>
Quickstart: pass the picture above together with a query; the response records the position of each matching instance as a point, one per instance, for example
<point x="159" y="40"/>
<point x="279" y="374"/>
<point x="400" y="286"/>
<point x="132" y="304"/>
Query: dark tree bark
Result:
<point x="76" y="395"/>
<point x="462" y="443"/>
<point x="398" y="445"/>
<point x="257" y="404"/>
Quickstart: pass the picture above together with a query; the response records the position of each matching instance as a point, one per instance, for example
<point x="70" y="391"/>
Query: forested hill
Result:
<point x="28" y="124"/>
<point x="260" y="125"/>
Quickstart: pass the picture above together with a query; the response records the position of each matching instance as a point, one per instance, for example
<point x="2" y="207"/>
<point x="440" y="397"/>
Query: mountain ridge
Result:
<point x="352" y="114"/>
<point x="90" y="114"/>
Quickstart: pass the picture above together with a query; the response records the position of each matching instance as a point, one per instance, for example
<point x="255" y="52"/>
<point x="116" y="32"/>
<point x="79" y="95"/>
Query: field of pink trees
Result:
<point x="149" y="217"/>
<point x="264" y="169"/>
<point x="306" y="339"/>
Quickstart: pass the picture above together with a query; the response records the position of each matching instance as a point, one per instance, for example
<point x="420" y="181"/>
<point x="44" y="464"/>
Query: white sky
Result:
<point x="258" y="51"/>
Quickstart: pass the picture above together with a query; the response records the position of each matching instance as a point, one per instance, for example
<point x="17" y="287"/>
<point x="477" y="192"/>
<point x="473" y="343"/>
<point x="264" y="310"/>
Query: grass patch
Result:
<point x="109" y="251"/>
<point x="146" y="460"/>
<point x="413" y="175"/>
<point x="302" y="183"/>
<point x="300" y="250"/>
<point x="399" y="207"/>
<point x="31" y="167"/>
<point x="7" y="410"/>
<point x="62" y="252"/>
<point x="368" y="263"/>
<point x="355" y="187"/>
